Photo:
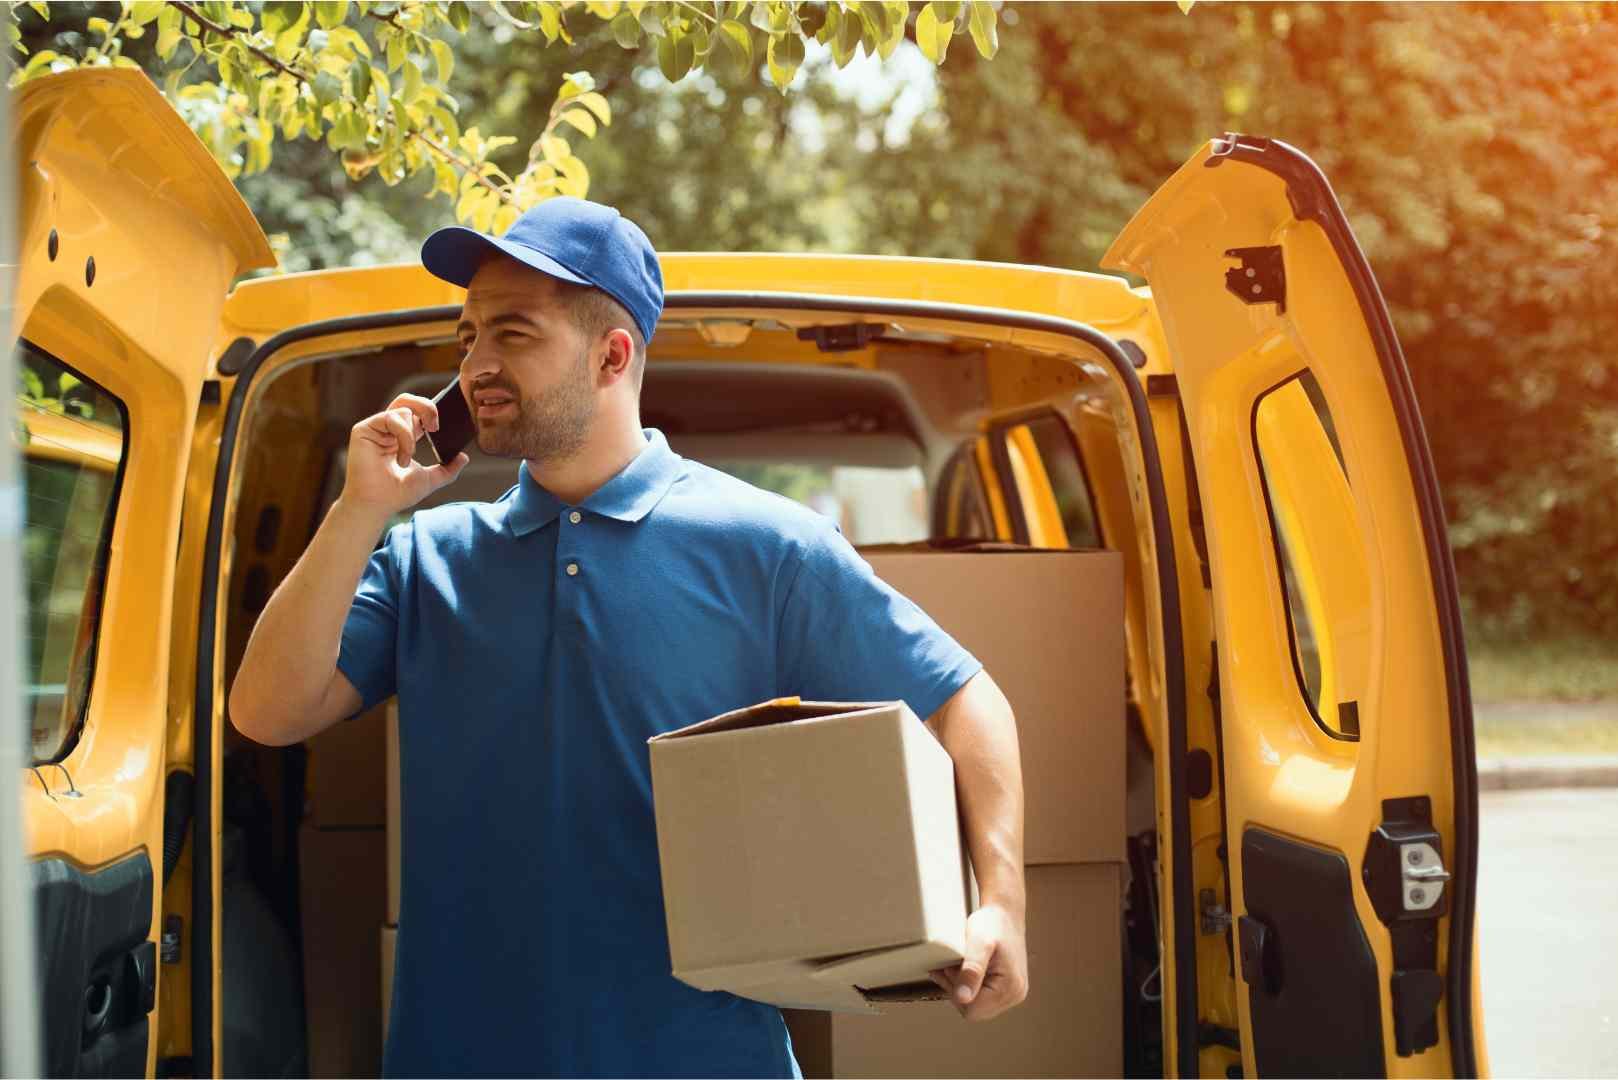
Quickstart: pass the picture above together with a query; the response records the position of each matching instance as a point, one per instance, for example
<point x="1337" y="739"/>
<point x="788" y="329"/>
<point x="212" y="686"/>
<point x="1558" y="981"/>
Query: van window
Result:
<point x="872" y="505"/>
<point x="1319" y="550"/>
<point x="1051" y="484"/>
<point x="71" y="439"/>
<point x="959" y="512"/>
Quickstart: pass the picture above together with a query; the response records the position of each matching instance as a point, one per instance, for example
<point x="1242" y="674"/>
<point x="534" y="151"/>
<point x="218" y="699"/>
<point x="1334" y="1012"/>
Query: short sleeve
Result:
<point x="370" y="633"/>
<point x="846" y="635"/>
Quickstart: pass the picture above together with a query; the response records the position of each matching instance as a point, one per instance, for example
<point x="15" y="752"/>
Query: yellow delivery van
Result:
<point x="1283" y="878"/>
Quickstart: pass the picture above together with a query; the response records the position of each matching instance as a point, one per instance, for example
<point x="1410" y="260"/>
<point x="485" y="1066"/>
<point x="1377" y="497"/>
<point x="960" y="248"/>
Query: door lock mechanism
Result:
<point x="1404" y="876"/>
<point x="1424" y="875"/>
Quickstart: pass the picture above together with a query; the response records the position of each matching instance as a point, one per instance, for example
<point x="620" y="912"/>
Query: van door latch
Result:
<point x="1261" y="278"/>
<point x="1405" y="878"/>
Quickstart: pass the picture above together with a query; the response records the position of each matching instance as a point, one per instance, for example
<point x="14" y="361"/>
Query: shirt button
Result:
<point x="575" y="517"/>
<point x="572" y="569"/>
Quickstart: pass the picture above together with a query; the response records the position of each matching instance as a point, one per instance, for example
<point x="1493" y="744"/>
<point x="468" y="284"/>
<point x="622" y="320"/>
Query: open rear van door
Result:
<point x="1349" y="773"/>
<point x="128" y="239"/>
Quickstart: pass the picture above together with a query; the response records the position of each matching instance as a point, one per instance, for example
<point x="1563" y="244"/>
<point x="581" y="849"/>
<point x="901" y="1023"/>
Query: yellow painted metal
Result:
<point x="1314" y="510"/>
<point x="1045" y="528"/>
<point x="106" y="165"/>
<point x="1282" y="771"/>
<point x="992" y="488"/>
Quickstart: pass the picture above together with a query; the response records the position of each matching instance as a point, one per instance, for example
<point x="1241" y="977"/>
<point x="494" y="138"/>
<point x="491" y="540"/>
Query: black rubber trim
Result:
<point x="1312" y="199"/>
<point x="1281" y="564"/>
<point x="202" y="988"/>
<point x="103" y="558"/>
<point x="1185" y="954"/>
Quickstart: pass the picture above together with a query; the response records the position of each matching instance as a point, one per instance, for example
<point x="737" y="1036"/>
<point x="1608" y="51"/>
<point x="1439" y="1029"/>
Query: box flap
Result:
<point x="888" y="967"/>
<point x="784" y="710"/>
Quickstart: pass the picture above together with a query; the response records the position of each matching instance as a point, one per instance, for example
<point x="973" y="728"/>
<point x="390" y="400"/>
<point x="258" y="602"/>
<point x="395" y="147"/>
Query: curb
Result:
<point x="1528" y="773"/>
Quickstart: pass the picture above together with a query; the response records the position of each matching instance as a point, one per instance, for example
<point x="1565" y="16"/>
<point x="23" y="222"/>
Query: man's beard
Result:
<point x="548" y="430"/>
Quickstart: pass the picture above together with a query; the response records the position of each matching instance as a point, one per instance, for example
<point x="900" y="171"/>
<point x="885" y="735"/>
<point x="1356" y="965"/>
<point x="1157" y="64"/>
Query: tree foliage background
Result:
<point x="1474" y="147"/>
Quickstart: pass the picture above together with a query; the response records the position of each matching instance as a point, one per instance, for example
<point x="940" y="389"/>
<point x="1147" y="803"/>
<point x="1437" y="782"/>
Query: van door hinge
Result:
<point x="1261" y="278"/>
<point x="1405" y="878"/>
<point x="1215" y="916"/>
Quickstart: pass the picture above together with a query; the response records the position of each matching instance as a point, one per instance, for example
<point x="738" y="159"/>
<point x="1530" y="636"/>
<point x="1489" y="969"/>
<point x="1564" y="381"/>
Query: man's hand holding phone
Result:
<point x="383" y="476"/>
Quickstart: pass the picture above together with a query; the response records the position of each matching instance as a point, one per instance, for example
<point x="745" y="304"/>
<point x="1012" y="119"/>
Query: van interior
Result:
<point x="907" y="431"/>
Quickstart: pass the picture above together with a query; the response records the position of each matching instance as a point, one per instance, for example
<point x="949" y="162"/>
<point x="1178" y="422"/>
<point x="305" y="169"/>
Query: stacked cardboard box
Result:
<point x="1048" y="627"/>
<point x="342" y="896"/>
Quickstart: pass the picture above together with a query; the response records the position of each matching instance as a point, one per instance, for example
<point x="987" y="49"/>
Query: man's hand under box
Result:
<point x="811" y="854"/>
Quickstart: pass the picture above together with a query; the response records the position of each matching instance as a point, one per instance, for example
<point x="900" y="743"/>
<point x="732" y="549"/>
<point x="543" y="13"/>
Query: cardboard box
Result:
<point x="341" y="897"/>
<point x="344" y="784"/>
<point x="391" y="768"/>
<point x="1049" y="628"/>
<point x="810" y="852"/>
<point x="390" y="935"/>
<point x="1070" y="1025"/>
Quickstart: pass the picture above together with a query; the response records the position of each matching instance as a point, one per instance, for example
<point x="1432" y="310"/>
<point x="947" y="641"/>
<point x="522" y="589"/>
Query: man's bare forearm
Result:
<point x="283" y="690"/>
<point x="977" y="728"/>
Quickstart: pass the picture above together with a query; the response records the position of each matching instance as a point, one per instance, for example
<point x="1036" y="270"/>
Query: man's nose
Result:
<point x="476" y="362"/>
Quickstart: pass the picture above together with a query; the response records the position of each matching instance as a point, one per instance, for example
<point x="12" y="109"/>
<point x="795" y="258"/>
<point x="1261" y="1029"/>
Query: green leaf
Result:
<point x="146" y="11"/>
<point x="833" y="18"/>
<point x="168" y="32"/>
<point x="460" y="16"/>
<point x="396" y="52"/>
<point x="359" y="81"/>
<point x="41" y="8"/>
<point x="444" y="57"/>
<point x="762" y="16"/>
<point x="849" y="35"/>
<point x="875" y="16"/>
<point x="500" y="10"/>
<point x="97" y="25"/>
<point x="331" y="13"/>
<point x="626" y="30"/>
<point x="598" y="105"/>
<point x="675" y="55"/>
<point x="732" y="56"/>
<point x="785" y="56"/>
<point x="650" y="18"/>
<point x="552" y="148"/>
<point x="350" y="41"/>
<point x="280" y="15"/>
<point x="411" y="85"/>
<point x="947" y="10"/>
<point x="327" y="88"/>
<point x="933" y="33"/>
<point x="582" y="120"/>
<point x="982" y="26"/>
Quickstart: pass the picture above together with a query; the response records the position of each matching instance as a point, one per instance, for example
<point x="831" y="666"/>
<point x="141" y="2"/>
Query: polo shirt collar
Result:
<point x="628" y="496"/>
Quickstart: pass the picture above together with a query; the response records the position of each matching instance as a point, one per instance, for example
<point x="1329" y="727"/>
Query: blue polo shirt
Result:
<point x="535" y="647"/>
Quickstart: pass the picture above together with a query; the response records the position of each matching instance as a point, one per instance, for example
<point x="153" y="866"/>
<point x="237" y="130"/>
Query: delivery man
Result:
<point x="536" y="642"/>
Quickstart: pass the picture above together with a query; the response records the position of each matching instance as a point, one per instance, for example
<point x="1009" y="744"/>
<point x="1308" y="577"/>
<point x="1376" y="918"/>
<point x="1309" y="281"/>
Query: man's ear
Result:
<point x="619" y="357"/>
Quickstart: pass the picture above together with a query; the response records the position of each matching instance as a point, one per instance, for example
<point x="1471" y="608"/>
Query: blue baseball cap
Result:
<point x="572" y="239"/>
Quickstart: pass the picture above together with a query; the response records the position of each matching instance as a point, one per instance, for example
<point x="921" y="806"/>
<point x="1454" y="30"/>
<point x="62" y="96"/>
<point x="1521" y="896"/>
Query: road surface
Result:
<point x="1548" y="931"/>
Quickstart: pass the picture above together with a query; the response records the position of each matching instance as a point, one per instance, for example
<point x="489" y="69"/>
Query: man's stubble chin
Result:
<point x="546" y="431"/>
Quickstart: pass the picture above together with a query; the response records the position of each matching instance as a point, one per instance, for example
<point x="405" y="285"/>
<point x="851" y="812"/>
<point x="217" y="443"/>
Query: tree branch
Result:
<point x="455" y="159"/>
<point x="697" y="10"/>
<point x="230" y="31"/>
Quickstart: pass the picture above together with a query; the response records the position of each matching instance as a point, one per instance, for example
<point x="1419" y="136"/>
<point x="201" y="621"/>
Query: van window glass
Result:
<point x="1323" y="567"/>
<point x="872" y="505"/>
<point x="958" y="510"/>
<point x="70" y="436"/>
<point x="1058" y="471"/>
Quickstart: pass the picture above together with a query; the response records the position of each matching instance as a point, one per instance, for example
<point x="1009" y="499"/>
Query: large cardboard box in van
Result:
<point x="1049" y="628"/>
<point x="811" y="853"/>
<point x="344" y="783"/>
<point x="1070" y="1025"/>
<point x="341" y="897"/>
<point x="391" y="764"/>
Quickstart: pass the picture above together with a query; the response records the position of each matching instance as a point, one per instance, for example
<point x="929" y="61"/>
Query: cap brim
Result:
<point x="455" y="252"/>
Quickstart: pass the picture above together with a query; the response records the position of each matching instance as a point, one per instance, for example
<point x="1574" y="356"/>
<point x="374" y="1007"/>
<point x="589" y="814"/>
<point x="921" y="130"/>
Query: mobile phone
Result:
<point x="455" y="426"/>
